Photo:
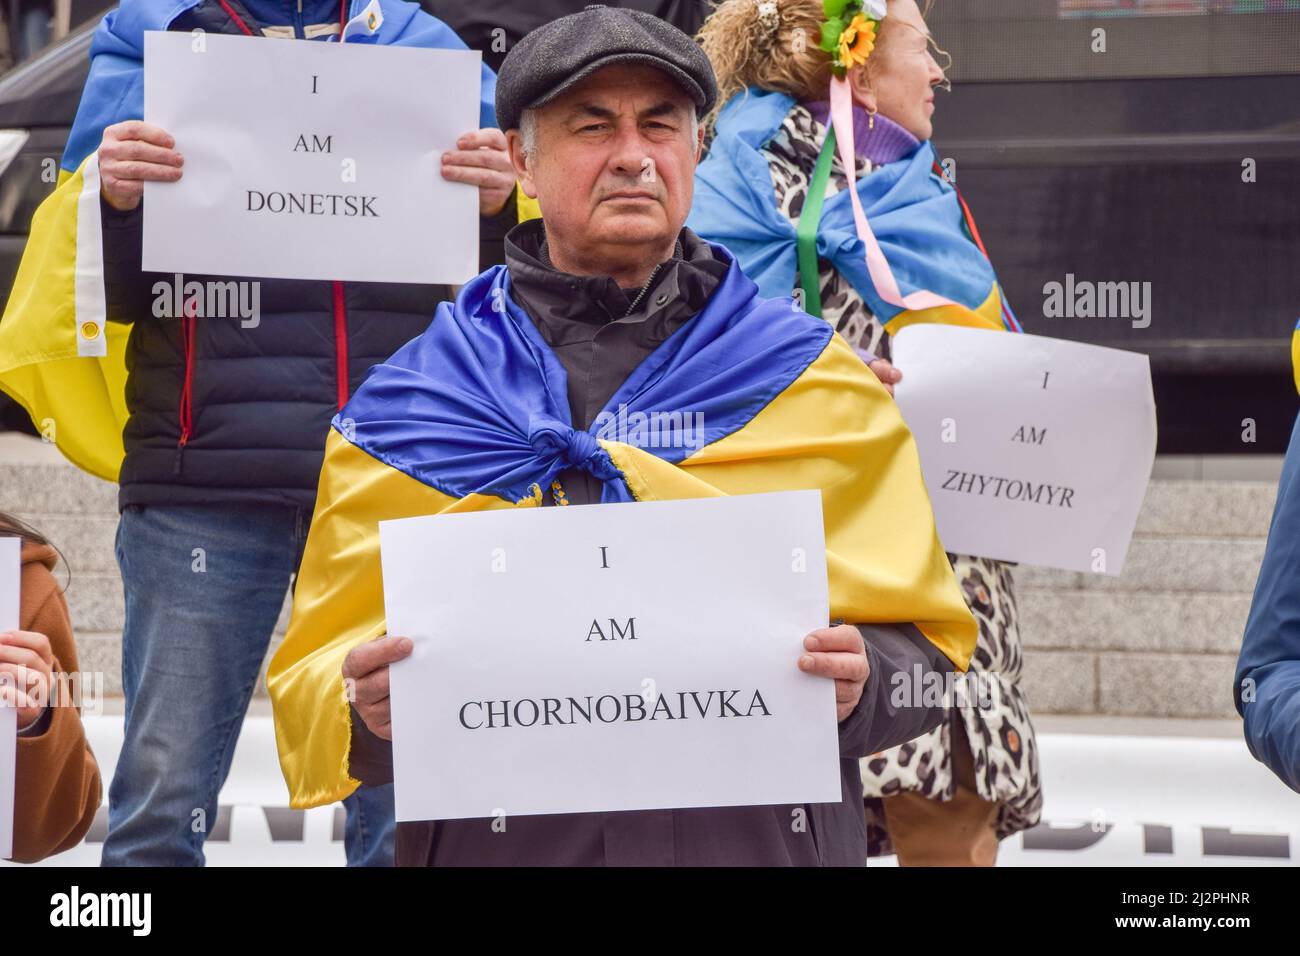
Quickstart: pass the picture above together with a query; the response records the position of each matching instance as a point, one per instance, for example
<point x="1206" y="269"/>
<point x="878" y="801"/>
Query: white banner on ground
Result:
<point x="613" y="657"/>
<point x="310" y="160"/>
<point x="1034" y="449"/>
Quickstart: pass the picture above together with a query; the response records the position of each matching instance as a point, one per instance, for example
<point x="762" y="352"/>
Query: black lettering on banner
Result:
<point x="607" y="709"/>
<point x="1013" y="489"/>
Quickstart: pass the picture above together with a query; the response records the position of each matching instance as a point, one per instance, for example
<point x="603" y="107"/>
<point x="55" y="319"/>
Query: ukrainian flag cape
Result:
<point x="916" y="215"/>
<point x="59" y="356"/>
<point x="473" y="415"/>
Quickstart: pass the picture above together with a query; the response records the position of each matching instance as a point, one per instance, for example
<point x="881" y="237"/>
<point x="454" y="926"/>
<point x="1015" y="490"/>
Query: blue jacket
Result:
<point x="1267" y="688"/>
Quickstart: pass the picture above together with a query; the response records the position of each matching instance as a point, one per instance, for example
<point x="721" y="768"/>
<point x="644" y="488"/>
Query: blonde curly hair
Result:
<point x="774" y="45"/>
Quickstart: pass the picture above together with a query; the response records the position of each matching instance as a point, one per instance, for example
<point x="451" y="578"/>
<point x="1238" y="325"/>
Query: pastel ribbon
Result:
<point x="877" y="265"/>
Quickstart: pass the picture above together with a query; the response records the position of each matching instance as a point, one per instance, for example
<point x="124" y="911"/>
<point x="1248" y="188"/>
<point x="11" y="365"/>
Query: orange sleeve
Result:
<point x="58" y="788"/>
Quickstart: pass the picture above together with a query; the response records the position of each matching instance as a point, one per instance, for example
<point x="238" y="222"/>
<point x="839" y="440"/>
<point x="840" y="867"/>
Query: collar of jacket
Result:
<point x="571" y="308"/>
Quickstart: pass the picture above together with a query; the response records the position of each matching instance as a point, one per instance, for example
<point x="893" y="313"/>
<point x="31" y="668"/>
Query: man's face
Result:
<point x="613" y="163"/>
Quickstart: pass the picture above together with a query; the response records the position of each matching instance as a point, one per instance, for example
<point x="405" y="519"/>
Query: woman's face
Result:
<point x="903" y="74"/>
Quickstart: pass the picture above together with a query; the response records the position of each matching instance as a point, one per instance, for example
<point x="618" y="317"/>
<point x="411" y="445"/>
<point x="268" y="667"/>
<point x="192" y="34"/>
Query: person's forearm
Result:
<point x="370" y="758"/>
<point x="127" y="290"/>
<point x="1272" y="719"/>
<point x="492" y="233"/>
<point x="883" y="720"/>
<point x="59" y="786"/>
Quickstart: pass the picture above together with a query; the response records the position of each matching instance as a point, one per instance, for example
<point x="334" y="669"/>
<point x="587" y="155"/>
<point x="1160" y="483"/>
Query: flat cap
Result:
<point x="559" y="54"/>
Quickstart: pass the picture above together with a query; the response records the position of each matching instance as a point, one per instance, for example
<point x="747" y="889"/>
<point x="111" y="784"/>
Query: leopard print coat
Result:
<point x="995" y="714"/>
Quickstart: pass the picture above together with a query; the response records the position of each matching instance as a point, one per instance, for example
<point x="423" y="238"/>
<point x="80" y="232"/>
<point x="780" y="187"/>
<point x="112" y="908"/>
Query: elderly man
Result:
<point x="608" y="302"/>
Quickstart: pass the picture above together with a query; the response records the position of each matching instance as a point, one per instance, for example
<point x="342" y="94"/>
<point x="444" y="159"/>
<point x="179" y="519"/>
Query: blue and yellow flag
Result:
<point x="473" y="415"/>
<point x="920" y="221"/>
<point x="60" y="357"/>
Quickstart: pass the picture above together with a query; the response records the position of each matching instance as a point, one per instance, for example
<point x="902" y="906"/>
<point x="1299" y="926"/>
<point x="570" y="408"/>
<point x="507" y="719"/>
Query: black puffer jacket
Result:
<point x="220" y="412"/>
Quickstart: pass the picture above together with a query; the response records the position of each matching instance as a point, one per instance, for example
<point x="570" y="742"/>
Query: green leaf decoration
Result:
<point x="831" y="35"/>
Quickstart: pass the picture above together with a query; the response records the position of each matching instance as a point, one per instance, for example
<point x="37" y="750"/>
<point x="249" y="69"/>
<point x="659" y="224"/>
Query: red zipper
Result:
<point x="187" y="384"/>
<point x="341" y="344"/>
<point x="239" y="21"/>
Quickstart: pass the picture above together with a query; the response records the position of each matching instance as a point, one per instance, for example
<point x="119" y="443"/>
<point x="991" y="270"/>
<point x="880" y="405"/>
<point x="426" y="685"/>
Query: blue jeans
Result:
<point x="204" y="586"/>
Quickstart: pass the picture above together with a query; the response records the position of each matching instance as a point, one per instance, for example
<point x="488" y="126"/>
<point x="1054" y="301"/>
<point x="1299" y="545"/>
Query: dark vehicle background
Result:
<point x="1122" y="165"/>
<point x="1127" y="165"/>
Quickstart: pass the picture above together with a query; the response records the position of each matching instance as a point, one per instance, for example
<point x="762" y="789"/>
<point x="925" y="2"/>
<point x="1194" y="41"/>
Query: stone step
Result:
<point x="1202" y="565"/>
<point x="1129" y="684"/>
<point x="85" y="541"/>
<point x="54" y="489"/>
<point x="95" y="602"/>
<point x="1170" y="622"/>
<point x="1203" y="509"/>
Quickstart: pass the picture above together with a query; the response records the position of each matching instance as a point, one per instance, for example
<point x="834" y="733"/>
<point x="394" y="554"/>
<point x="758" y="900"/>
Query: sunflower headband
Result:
<point x="849" y="31"/>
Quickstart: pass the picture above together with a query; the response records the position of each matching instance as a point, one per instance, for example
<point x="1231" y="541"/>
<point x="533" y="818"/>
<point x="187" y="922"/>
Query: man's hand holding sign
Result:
<point x="480" y="159"/>
<point x="135" y="152"/>
<point x="837" y="653"/>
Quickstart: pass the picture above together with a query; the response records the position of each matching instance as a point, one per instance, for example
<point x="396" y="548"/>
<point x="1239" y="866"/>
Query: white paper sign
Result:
<point x="596" y="623"/>
<point x="10" y="571"/>
<point x="310" y="160"/>
<point x="1034" y="449"/>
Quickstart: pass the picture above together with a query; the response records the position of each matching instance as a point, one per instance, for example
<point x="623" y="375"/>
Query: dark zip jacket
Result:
<point x="225" y="411"/>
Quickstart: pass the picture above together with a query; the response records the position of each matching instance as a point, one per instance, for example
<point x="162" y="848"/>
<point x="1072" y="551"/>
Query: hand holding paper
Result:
<point x="131" y="154"/>
<point x="480" y="159"/>
<point x="885" y="371"/>
<point x="26" y="673"/>
<point x="366" y="667"/>
<point x="840" y="654"/>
